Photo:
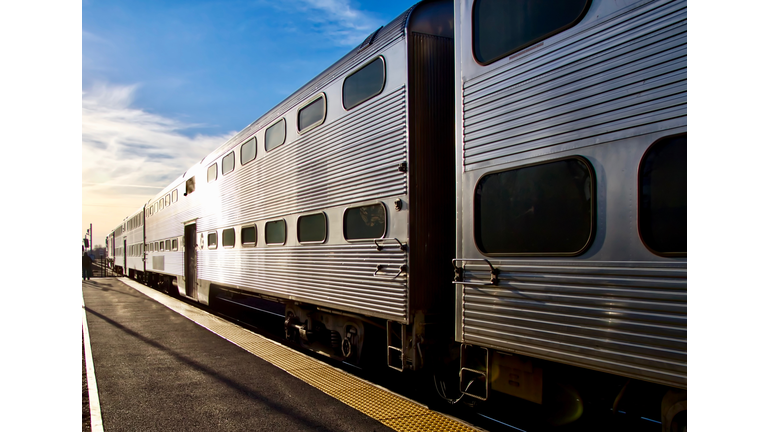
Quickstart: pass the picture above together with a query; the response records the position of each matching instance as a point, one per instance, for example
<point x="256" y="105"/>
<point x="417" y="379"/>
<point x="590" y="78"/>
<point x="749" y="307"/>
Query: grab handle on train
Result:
<point x="401" y="245"/>
<point x="458" y="272"/>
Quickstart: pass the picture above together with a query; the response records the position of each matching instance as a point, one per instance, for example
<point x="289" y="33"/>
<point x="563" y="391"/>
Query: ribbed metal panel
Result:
<point x="332" y="275"/>
<point x="432" y="171"/>
<point x="625" y="317"/>
<point x="343" y="162"/>
<point x="620" y="73"/>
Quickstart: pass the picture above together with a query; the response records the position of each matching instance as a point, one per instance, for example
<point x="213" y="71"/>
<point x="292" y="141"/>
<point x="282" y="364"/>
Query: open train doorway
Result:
<point x="190" y="260"/>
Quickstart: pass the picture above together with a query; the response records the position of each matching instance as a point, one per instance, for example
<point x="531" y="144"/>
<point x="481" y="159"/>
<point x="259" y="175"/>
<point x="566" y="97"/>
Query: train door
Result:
<point x="190" y="259"/>
<point x="125" y="256"/>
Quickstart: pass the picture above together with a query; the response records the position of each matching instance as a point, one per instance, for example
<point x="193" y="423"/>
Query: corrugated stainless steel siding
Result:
<point x="338" y="276"/>
<point x="627" y="318"/>
<point x="628" y="71"/>
<point x="346" y="161"/>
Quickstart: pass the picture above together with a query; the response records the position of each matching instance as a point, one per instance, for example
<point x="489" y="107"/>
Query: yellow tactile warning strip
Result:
<point x="390" y="409"/>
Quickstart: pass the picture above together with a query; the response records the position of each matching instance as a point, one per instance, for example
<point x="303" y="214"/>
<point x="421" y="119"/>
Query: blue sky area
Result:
<point x="219" y="65"/>
<point x="166" y="82"/>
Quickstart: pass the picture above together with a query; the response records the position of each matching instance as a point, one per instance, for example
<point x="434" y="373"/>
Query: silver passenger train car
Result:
<point x="507" y="193"/>
<point x="337" y="203"/>
<point x="571" y="197"/>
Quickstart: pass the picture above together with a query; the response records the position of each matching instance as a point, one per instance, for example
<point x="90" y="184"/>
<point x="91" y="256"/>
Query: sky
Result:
<point x="164" y="83"/>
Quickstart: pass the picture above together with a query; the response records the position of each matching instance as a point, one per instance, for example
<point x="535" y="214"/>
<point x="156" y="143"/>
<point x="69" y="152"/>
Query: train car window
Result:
<point x="275" y="135"/>
<point x="543" y="209"/>
<point x="248" y="151"/>
<point x="663" y="207"/>
<point x="311" y="228"/>
<point x="190" y="186"/>
<point x="365" y="222"/>
<point x="274" y="232"/>
<point x="175" y="195"/>
<point x="228" y="163"/>
<point x="157" y="247"/>
<point x="167" y="200"/>
<point x="162" y="204"/>
<point x="162" y="246"/>
<point x="364" y="83"/>
<point x="228" y="237"/>
<point x="175" y="244"/>
<point x="248" y="235"/>
<point x="503" y="27"/>
<point x="213" y="240"/>
<point x="167" y="245"/>
<point x="312" y="114"/>
<point x="213" y="172"/>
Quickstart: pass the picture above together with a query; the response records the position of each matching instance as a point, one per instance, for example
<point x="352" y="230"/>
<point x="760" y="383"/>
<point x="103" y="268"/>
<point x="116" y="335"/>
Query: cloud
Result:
<point x="337" y="20"/>
<point x="129" y="154"/>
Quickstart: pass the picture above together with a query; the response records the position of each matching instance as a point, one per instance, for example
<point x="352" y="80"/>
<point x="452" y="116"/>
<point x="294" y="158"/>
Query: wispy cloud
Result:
<point x="129" y="153"/>
<point x="336" y="20"/>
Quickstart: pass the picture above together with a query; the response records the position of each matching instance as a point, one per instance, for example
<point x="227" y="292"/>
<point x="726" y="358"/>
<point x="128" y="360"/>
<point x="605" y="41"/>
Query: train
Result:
<point x="489" y="192"/>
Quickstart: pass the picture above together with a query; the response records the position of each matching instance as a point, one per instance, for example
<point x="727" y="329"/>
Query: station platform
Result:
<point x="158" y="363"/>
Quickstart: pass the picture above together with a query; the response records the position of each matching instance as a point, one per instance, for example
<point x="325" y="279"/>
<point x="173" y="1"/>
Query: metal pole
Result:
<point x="91" y="234"/>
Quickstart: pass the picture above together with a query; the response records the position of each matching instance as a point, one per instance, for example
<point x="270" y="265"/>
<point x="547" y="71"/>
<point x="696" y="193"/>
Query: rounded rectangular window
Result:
<point x="663" y="206"/>
<point x="228" y="237"/>
<point x="503" y="27"/>
<point x="275" y="135"/>
<point x="190" y="186"/>
<point x="248" y="151"/>
<point x="175" y="244"/>
<point x="544" y="209"/>
<point x="167" y="200"/>
<point x="248" y="235"/>
<point x="167" y="245"/>
<point x="157" y="248"/>
<point x="312" y="114"/>
<point x="161" y="203"/>
<point x="274" y="232"/>
<point x="364" y="84"/>
<point x="162" y="246"/>
<point x="175" y="195"/>
<point x="311" y="228"/>
<point x="365" y="222"/>
<point x="213" y="173"/>
<point x="213" y="240"/>
<point x="228" y="163"/>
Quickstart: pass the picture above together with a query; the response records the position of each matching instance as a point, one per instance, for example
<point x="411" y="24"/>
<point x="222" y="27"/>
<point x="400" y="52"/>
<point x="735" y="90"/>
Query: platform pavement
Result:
<point x="157" y="370"/>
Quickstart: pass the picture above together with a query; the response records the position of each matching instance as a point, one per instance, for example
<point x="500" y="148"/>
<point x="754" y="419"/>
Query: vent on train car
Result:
<point x="369" y="40"/>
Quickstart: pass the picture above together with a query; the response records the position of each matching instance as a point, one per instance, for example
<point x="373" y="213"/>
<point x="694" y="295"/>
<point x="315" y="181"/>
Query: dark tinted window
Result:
<point x="213" y="173"/>
<point x="228" y="163"/>
<point x="248" y="151"/>
<point x="162" y="246"/>
<point x="228" y="237"/>
<point x="366" y="222"/>
<point x="213" y="240"/>
<point x="663" y="204"/>
<point x="275" y="135"/>
<point x="540" y="209"/>
<point x="312" y="114"/>
<point x="167" y="245"/>
<point x="501" y="27"/>
<point x="190" y="186"/>
<point x="312" y="228"/>
<point x="175" y="244"/>
<point x="364" y="84"/>
<point x="248" y="235"/>
<point x="275" y="232"/>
